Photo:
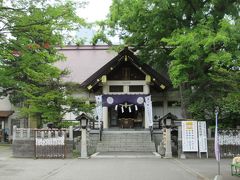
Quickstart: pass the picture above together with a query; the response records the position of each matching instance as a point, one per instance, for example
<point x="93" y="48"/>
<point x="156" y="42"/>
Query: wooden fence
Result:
<point x="229" y="141"/>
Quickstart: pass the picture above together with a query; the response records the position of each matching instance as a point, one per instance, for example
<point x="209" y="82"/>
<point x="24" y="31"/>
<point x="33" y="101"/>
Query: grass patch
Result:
<point x="75" y="153"/>
<point x="5" y="145"/>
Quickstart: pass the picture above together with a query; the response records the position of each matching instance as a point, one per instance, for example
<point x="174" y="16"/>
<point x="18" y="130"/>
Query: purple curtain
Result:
<point x="112" y="100"/>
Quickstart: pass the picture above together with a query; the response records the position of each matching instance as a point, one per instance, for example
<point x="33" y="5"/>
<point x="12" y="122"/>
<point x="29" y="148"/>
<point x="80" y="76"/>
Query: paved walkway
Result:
<point x="109" y="168"/>
<point x="5" y="151"/>
<point x="208" y="167"/>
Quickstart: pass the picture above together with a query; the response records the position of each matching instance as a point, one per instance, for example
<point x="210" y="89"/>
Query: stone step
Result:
<point x="126" y="150"/>
<point x="140" y="138"/>
<point x="123" y="149"/>
<point x="126" y="141"/>
<point x="123" y="136"/>
<point x="126" y="135"/>
<point x="127" y="147"/>
<point x="126" y="144"/>
<point x="129" y="154"/>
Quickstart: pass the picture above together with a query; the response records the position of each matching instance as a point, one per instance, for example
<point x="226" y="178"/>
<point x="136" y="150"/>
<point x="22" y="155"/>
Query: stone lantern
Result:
<point x="84" y="119"/>
<point x="167" y="123"/>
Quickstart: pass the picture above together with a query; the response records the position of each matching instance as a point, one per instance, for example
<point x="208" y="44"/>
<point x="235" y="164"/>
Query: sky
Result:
<point x="95" y="10"/>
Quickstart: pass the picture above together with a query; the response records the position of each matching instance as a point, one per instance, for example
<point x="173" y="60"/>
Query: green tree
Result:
<point x="208" y="61"/>
<point x="30" y="31"/>
<point x="196" y="41"/>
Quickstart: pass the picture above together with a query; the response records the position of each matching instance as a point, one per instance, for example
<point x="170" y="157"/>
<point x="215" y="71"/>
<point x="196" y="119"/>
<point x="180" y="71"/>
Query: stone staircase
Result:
<point x="126" y="141"/>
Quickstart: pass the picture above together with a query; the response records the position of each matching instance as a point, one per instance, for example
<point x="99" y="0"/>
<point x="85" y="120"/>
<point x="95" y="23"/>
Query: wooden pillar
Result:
<point x="105" y="117"/>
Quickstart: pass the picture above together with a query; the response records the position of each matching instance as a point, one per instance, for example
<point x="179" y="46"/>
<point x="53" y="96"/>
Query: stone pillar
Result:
<point x="84" y="143"/>
<point x="179" y="133"/>
<point x="105" y="117"/>
<point x="168" y="153"/>
<point x="209" y="132"/>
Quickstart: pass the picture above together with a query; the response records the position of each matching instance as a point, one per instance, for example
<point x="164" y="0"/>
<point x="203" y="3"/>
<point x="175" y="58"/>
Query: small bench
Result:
<point x="235" y="169"/>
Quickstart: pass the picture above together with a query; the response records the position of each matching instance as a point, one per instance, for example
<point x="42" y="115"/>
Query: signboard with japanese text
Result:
<point x="202" y="136"/>
<point x="189" y="136"/>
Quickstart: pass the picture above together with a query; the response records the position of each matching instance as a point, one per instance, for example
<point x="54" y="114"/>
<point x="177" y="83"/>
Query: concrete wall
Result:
<point x="25" y="148"/>
<point x="69" y="148"/>
<point x="93" y="139"/>
<point x="157" y="138"/>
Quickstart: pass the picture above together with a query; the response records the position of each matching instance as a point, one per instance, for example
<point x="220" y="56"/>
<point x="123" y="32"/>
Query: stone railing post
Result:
<point x="42" y="134"/>
<point x="28" y="133"/>
<point x="49" y="134"/>
<point x="21" y="133"/>
<point x="56" y="133"/>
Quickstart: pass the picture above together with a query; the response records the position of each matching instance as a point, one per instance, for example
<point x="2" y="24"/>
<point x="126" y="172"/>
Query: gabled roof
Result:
<point x="84" y="115"/>
<point x="169" y="116"/>
<point x="83" y="61"/>
<point x="158" y="78"/>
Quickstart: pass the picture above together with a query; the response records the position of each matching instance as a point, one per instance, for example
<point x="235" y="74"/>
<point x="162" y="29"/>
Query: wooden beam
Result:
<point x="89" y="87"/>
<point x="104" y="79"/>
<point x="162" y="86"/>
<point x="148" y="78"/>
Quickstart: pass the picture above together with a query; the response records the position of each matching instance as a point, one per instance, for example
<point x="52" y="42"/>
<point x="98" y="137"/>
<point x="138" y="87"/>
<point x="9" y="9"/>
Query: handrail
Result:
<point x="93" y="125"/>
<point x="151" y="132"/>
<point x="96" y="126"/>
<point x="100" y="130"/>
